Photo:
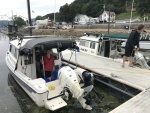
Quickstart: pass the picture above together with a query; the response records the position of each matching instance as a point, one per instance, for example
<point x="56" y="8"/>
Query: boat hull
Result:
<point x="38" y="98"/>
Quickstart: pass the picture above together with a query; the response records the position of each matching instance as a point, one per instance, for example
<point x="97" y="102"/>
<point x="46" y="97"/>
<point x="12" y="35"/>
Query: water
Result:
<point x="8" y="102"/>
<point x="14" y="100"/>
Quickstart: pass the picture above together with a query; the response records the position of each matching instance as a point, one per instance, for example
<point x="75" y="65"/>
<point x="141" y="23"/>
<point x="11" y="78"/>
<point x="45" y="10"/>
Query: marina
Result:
<point x="125" y="83"/>
<point x="85" y="56"/>
<point x="135" y="77"/>
<point x="25" y="104"/>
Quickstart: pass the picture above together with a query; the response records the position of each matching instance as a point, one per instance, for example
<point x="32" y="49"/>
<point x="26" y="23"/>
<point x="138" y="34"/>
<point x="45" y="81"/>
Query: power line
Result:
<point x="10" y="15"/>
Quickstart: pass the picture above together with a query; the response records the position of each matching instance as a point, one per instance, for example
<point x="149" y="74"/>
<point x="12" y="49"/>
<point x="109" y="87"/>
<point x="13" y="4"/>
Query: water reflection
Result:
<point x="3" y="37"/>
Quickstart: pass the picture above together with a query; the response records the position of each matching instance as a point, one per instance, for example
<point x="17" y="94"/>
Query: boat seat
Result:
<point x="54" y="74"/>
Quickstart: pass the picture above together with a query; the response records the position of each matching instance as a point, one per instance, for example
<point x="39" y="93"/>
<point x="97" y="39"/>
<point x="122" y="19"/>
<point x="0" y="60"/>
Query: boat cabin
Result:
<point x="106" y="45"/>
<point x="26" y="54"/>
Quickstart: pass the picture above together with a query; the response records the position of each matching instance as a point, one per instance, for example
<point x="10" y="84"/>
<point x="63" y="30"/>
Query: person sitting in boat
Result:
<point x="48" y="64"/>
<point x="132" y="45"/>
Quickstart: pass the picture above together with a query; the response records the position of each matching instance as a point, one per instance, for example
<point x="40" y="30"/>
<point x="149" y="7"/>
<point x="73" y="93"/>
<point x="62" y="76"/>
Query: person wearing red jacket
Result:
<point x="48" y="64"/>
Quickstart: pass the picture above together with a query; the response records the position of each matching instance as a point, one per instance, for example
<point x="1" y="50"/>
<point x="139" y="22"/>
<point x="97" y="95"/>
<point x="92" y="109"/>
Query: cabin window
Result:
<point x="10" y="48"/>
<point x="81" y="42"/>
<point x="84" y="43"/>
<point x="113" y="45"/>
<point x="14" y="51"/>
<point x="55" y="53"/>
<point x="28" y="60"/>
<point x="92" y="45"/>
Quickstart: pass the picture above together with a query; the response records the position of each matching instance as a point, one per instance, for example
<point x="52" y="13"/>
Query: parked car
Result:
<point x="66" y="27"/>
<point x="89" y="23"/>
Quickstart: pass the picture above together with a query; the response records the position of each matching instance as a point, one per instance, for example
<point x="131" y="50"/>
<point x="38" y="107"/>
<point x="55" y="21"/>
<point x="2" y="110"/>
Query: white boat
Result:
<point x="144" y="41"/>
<point x="144" y="45"/>
<point x="22" y="61"/>
<point x="110" y="46"/>
<point x="100" y="45"/>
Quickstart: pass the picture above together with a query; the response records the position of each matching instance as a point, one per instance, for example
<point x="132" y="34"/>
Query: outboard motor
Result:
<point x="139" y="57"/>
<point x="87" y="78"/>
<point x="69" y="81"/>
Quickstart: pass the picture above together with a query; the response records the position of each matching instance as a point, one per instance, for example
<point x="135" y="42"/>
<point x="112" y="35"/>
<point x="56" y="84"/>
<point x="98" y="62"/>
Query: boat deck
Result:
<point x="132" y="76"/>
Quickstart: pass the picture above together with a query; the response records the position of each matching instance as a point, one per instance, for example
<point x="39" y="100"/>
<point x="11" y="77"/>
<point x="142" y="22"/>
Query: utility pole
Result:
<point x="54" y="19"/>
<point x="54" y="11"/>
<point x="29" y="16"/>
<point x="109" y="21"/>
<point x="131" y="16"/>
<point x="126" y="5"/>
<point x="12" y="17"/>
<point x="104" y="7"/>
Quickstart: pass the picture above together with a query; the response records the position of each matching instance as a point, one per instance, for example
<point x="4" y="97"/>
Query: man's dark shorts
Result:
<point x="129" y="52"/>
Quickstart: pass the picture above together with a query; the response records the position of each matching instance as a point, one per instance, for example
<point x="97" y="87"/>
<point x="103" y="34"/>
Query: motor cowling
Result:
<point x="68" y="79"/>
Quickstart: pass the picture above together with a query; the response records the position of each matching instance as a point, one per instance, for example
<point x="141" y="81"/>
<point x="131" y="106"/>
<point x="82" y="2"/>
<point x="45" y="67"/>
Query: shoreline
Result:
<point x="73" y="32"/>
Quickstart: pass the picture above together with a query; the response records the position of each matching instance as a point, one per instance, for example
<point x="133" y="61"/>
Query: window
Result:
<point x="14" y="51"/>
<point x="10" y="48"/>
<point x="81" y="42"/>
<point x="113" y="45"/>
<point x="84" y="43"/>
<point x="92" y="45"/>
<point x="28" y="58"/>
<point x="55" y="53"/>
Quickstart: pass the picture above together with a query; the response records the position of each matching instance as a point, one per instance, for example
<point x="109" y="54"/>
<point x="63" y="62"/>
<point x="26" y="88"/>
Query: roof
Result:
<point x="111" y="13"/>
<point x="47" y="43"/>
<point x="116" y="36"/>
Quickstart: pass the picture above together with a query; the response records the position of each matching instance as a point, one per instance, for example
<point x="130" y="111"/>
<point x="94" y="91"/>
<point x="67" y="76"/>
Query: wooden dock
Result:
<point x="132" y="76"/>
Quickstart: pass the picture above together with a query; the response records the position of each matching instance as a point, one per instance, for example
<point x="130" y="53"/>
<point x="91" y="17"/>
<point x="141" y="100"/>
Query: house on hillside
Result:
<point x="81" y="19"/>
<point x="104" y="17"/>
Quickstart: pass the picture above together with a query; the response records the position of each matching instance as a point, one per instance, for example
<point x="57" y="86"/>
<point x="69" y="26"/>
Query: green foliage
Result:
<point x="19" y="21"/>
<point x="142" y="6"/>
<point x="39" y="18"/>
<point x="127" y="15"/>
<point x="94" y="8"/>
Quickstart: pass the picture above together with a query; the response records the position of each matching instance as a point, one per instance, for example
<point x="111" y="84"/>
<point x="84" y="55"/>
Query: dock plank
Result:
<point x="133" y="76"/>
<point x="138" y="104"/>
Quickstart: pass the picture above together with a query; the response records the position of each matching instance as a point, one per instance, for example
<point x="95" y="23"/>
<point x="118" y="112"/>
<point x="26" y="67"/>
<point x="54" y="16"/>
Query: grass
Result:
<point x="127" y="15"/>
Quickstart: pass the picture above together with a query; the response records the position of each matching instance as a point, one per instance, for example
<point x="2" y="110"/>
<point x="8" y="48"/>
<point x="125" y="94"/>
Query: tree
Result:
<point x="19" y="21"/>
<point x="142" y="6"/>
<point x="38" y="18"/>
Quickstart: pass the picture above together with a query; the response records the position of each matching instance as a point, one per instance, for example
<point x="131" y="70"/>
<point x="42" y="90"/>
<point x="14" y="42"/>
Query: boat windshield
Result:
<point x="55" y="53"/>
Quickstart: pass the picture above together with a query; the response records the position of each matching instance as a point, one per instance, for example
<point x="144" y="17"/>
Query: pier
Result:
<point x="131" y="76"/>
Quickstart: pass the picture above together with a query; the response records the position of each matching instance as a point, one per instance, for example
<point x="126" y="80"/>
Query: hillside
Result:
<point x="94" y="8"/>
<point x="127" y="15"/>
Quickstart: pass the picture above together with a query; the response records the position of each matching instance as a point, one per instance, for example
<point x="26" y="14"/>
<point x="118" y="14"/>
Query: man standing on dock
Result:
<point x="132" y="45"/>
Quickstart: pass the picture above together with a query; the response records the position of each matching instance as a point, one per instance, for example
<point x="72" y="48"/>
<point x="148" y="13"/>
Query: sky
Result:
<point x="38" y="7"/>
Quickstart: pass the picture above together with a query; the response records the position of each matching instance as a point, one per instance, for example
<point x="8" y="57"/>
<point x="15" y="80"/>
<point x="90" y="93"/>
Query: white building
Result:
<point x="105" y="16"/>
<point x="81" y="19"/>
